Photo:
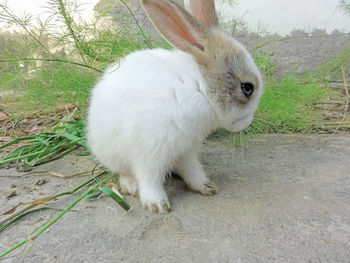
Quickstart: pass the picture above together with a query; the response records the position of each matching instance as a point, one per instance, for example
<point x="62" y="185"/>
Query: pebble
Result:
<point x="40" y="181"/>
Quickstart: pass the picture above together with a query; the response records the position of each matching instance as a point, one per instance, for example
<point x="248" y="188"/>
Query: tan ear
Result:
<point x="204" y="11"/>
<point x="176" y="25"/>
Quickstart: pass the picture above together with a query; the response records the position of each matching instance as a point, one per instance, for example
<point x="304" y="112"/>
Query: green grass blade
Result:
<point x="94" y="194"/>
<point x="19" y="217"/>
<point x="74" y="139"/>
<point x="40" y="150"/>
<point x="18" y="140"/>
<point x="116" y="198"/>
<point x="46" y="158"/>
<point x="83" y="154"/>
<point x="2" y="162"/>
<point x="43" y="141"/>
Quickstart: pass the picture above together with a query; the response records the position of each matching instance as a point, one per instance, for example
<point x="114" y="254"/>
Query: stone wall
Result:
<point x="299" y="52"/>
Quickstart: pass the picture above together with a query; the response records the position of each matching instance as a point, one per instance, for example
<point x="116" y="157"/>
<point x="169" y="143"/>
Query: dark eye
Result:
<point x="247" y="89"/>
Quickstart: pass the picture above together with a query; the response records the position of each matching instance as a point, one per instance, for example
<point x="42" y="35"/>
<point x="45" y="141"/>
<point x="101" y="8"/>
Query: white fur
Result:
<point x="145" y="115"/>
<point x="149" y="114"/>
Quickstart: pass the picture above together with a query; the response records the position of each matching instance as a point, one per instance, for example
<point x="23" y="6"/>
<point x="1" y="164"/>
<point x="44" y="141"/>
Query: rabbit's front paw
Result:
<point x="124" y="191"/>
<point x="208" y="189"/>
<point x="155" y="209"/>
<point x="128" y="185"/>
<point x="158" y="207"/>
<point x="155" y="202"/>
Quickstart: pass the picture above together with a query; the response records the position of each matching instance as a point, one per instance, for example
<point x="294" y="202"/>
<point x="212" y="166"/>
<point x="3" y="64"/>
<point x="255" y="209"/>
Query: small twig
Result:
<point x="346" y="92"/>
<point x="337" y="123"/>
<point x="54" y="174"/>
<point x="35" y="172"/>
<point x="24" y="174"/>
<point x="309" y="82"/>
<point x="335" y="126"/>
<point x="53" y="60"/>
<point x="68" y="175"/>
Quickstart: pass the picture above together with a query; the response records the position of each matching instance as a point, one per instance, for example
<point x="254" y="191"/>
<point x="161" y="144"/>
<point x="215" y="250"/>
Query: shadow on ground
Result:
<point x="283" y="198"/>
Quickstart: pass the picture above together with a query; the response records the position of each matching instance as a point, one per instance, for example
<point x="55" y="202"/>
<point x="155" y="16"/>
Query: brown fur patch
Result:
<point x="223" y="65"/>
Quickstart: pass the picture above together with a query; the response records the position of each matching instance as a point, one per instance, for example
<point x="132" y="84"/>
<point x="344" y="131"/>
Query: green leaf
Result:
<point x="94" y="194"/>
<point x="83" y="154"/>
<point x="116" y="198"/>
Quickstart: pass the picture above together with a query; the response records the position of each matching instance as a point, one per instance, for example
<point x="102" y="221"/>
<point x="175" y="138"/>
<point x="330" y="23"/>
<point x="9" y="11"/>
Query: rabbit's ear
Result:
<point x="176" y="25"/>
<point x="204" y="11"/>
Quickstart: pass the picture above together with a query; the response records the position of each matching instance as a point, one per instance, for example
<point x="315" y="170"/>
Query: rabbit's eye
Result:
<point x="247" y="89"/>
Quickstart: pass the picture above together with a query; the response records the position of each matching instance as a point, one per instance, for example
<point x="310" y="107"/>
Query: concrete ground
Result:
<point x="283" y="198"/>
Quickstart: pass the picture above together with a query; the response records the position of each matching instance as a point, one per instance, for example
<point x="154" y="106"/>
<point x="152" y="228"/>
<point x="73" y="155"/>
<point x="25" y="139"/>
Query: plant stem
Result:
<point x="14" y="247"/>
<point x="137" y="23"/>
<point x="68" y="21"/>
<point x="82" y="185"/>
<point x="20" y="23"/>
<point x="53" y="220"/>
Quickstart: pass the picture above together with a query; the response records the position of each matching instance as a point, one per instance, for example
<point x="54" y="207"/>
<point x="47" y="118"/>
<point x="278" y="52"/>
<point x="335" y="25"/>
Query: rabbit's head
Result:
<point x="234" y="84"/>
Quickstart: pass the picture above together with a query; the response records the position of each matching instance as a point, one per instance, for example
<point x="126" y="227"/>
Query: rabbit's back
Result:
<point x="151" y="105"/>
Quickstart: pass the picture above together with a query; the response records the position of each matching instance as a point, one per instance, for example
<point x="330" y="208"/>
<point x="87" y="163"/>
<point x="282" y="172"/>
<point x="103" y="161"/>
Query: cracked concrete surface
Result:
<point x="282" y="198"/>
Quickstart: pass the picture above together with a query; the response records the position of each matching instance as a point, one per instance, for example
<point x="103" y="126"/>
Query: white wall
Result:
<point x="283" y="16"/>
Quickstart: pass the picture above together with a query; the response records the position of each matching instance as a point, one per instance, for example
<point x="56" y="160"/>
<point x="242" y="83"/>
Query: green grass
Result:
<point x="49" y="68"/>
<point x="58" y="85"/>
<point x="287" y="106"/>
<point x="65" y="137"/>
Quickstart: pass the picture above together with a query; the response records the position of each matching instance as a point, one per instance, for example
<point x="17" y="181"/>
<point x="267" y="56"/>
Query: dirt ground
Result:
<point x="282" y="198"/>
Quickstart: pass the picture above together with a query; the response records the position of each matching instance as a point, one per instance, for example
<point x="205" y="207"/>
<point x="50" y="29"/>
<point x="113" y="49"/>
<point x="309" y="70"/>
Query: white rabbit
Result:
<point x="150" y="112"/>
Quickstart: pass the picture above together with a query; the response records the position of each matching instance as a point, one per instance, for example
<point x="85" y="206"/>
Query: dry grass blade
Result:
<point x="43" y="200"/>
<point x="12" y="210"/>
<point x="65" y="175"/>
<point x="16" y="213"/>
